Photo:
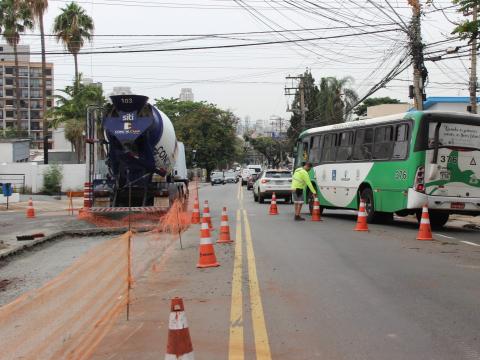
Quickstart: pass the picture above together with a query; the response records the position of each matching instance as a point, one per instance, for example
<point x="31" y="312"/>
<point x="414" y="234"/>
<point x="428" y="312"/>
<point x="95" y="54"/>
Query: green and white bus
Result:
<point x="397" y="164"/>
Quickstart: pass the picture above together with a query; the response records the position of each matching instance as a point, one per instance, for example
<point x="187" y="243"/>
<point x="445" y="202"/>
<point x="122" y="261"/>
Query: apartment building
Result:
<point x="31" y="102"/>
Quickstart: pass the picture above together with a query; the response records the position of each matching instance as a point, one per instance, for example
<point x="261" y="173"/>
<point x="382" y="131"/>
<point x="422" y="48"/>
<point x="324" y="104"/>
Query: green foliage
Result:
<point x="72" y="27"/>
<point x="71" y="110"/>
<point x="327" y="104"/>
<point x="15" y="19"/>
<point x="361" y="110"/>
<point x="12" y="133"/>
<point x="205" y="128"/>
<point x="52" y="180"/>
<point x="274" y="150"/>
<point x="467" y="30"/>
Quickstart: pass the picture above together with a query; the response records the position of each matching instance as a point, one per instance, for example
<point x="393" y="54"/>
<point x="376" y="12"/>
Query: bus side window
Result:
<point x="299" y="154"/>
<point x="306" y="150"/>
<point x="400" y="150"/>
<point x="344" y="150"/>
<point x="362" y="149"/>
<point x="383" y="147"/>
<point x="328" y="150"/>
<point x="315" y="150"/>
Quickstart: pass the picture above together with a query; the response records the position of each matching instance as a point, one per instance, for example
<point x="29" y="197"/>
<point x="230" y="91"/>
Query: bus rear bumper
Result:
<point x="454" y="204"/>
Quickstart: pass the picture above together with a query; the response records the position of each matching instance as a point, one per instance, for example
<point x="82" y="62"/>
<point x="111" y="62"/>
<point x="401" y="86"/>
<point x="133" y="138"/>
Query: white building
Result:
<point x="14" y="150"/>
<point x="186" y="94"/>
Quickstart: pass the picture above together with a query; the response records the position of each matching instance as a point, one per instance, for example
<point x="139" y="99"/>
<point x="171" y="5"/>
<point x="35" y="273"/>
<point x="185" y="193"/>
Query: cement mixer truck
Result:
<point x="145" y="162"/>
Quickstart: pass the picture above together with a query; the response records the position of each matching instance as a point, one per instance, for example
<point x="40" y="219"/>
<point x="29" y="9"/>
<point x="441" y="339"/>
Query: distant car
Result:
<point x="255" y="168"/>
<point x="217" y="178"/>
<point x="273" y="181"/>
<point x="245" y="174"/>
<point x="251" y="180"/>
<point x="230" y="177"/>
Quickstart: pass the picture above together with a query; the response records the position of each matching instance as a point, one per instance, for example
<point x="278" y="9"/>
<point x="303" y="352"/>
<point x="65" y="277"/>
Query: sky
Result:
<point x="251" y="80"/>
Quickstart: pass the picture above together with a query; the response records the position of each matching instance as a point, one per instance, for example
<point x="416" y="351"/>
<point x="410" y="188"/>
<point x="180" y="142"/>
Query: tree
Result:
<point x="335" y="100"/>
<point x="15" y="19"/>
<point x="71" y="110"/>
<point x="274" y="150"/>
<point x="311" y="103"/>
<point x="205" y="128"/>
<point x="467" y="30"/>
<point x="361" y="110"/>
<point x="72" y="27"/>
<point x="38" y="8"/>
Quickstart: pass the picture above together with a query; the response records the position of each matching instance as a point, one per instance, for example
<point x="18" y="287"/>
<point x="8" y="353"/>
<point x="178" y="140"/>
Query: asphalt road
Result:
<point x="291" y="290"/>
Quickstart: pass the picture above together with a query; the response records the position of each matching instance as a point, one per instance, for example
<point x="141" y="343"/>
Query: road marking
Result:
<point x="262" y="346"/>
<point x="236" y="344"/>
<point x="445" y="236"/>
<point x="469" y="243"/>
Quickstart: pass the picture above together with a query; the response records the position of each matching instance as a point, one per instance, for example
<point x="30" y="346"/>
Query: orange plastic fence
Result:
<point x="67" y="317"/>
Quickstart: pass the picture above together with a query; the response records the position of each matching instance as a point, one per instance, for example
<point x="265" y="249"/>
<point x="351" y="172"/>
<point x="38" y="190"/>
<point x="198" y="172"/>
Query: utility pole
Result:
<point x="301" y="90"/>
<point x="473" y="66"/>
<point x="420" y="72"/>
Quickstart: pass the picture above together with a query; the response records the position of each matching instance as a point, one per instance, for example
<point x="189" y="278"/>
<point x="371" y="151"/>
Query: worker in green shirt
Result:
<point x="300" y="181"/>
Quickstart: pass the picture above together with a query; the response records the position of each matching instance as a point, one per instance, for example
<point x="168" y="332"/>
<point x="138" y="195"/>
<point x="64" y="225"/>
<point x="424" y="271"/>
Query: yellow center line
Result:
<point x="236" y="343"/>
<point x="262" y="346"/>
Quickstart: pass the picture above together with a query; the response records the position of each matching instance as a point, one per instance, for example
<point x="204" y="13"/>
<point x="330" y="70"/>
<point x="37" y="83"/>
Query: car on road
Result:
<point x="217" y="178"/>
<point x="255" y="168"/>
<point x="251" y="180"/>
<point x="273" y="181"/>
<point x="230" y="177"/>
<point x="245" y="174"/>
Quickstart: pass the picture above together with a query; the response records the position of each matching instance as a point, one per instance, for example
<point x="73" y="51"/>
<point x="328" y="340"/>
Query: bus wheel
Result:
<point x="437" y="218"/>
<point x="367" y="196"/>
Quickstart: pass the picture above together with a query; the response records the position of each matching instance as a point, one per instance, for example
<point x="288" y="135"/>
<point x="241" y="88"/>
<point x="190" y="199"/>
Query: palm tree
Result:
<point x="335" y="100"/>
<point x="38" y="8"/>
<point x="15" y="19"/>
<point x="72" y="27"/>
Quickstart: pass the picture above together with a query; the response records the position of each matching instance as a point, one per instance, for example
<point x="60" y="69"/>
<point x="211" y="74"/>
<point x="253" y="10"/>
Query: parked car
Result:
<point x="251" y="180"/>
<point x="217" y="178"/>
<point x="245" y="174"/>
<point x="230" y="177"/>
<point x="273" y="181"/>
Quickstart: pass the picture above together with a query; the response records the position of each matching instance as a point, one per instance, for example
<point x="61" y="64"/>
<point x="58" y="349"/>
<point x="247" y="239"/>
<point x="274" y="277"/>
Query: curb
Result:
<point x="60" y="234"/>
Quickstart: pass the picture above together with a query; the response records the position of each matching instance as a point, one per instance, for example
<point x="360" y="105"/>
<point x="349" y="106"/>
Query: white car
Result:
<point x="230" y="177"/>
<point x="245" y="174"/>
<point x="273" y="181"/>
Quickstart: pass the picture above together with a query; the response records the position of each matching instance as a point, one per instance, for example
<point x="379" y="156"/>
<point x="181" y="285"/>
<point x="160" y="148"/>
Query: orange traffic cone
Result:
<point x="362" y="218"/>
<point x="206" y="214"/>
<point x="425" y="231"/>
<point x="196" y="212"/>
<point x="207" y="252"/>
<point x="273" y="206"/>
<point x="179" y="344"/>
<point x="316" y="211"/>
<point x="224" y="229"/>
<point x="30" y="209"/>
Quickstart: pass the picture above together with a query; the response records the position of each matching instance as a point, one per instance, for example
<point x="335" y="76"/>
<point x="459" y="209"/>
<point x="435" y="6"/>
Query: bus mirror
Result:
<point x="295" y="148"/>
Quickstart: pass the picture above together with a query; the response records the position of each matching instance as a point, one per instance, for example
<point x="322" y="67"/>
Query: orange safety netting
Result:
<point x="67" y="317"/>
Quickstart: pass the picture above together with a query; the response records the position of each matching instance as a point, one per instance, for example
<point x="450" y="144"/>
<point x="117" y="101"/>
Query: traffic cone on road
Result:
<point x="425" y="231"/>
<point x="179" y="344"/>
<point x="196" y="212"/>
<point x="206" y="214"/>
<point x="362" y="218"/>
<point x="30" y="210"/>
<point x="207" y="251"/>
<point x="273" y="206"/>
<point x="224" y="229"/>
<point x="316" y="211"/>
